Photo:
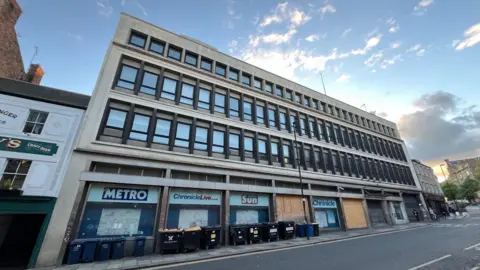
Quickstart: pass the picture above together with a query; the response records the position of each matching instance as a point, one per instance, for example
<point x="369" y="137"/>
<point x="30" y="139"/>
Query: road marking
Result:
<point x="275" y="250"/>
<point x="474" y="246"/>
<point x="430" y="262"/>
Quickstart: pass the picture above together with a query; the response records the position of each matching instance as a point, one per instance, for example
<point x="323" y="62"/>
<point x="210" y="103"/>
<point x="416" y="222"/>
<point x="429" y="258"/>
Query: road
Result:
<point x="448" y="244"/>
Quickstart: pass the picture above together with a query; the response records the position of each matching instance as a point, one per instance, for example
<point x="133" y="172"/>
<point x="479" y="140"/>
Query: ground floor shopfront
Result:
<point x="436" y="203"/>
<point x="23" y="222"/>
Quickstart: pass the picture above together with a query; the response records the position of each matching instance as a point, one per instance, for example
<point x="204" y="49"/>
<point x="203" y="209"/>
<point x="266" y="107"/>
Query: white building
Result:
<point x="38" y="127"/>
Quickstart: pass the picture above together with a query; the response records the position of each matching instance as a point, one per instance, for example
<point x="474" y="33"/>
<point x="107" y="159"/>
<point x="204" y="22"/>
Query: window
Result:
<point x="138" y="40"/>
<point x="303" y="126"/>
<point x="260" y="115"/>
<point x="182" y="137"/>
<point x="248" y="144"/>
<point x="174" y="53"/>
<point x="234" y="107"/>
<point x="246" y="79"/>
<point x="220" y="69"/>
<point x="293" y="119"/>
<point x="233" y="74"/>
<point x="345" y="136"/>
<point x="298" y="98"/>
<point x="218" y="141"/>
<point x="278" y="91"/>
<point x="191" y="59"/>
<point x="337" y="111"/>
<point x="206" y="64"/>
<point x="329" y="132"/>
<point x="344" y="161"/>
<point x="351" y="117"/>
<point x="219" y="103"/>
<point x="15" y="173"/>
<point x="162" y="131"/>
<point x="353" y="166"/>
<point x="320" y="130"/>
<point x="257" y="83"/>
<point x="234" y="141"/>
<point x="323" y="107"/>
<point x="286" y="154"/>
<point x="149" y="83"/>
<point x="140" y="127"/>
<point x="336" y="134"/>
<point x="311" y="126"/>
<point x="283" y="120"/>
<point x="201" y="135"/>
<point x="336" y="162"/>
<point x="35" y="122"/>
<point x="157" y="47"/>
<point x="330" y="110"/>
<point x="262" y="149"/>
<point x="328" y="162"/>
<point x="271" y="118"/>
<point x="268" y="88"/>
<point x="187" y="94"/>
<point x="127" y="77"/>
<point x="116" y="119"/>
<point x="315" y="104"/>
<point x="274" y="148"/>
<point x="288" y="94"/>
<point x="306" y="101"/>
<point x="247" y="110"/>
<point x="204" y="98"/>
<point x="169" y="89"/>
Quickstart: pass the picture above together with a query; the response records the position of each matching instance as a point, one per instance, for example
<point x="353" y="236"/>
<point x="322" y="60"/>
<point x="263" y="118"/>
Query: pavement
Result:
<point x="157" y="260"/>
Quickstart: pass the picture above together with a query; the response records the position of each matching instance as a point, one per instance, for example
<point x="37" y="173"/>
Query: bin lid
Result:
<point x="193" y="229"/>
<point x="218" y="227"/>
<point x="171" y="230"/>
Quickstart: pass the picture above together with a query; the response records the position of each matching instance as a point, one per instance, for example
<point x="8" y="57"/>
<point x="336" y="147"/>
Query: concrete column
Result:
<point x="273" y="205"/>
<point x="162" y="223"/>
<point x="310" y="209"/>
<point x="386" y="213"/>
<point x="343" y="220"/>
<point x="367" y="216"/>
<point x="226" y="223"/>
<point x="61" y="229"/>
<point x="424" y="204"/>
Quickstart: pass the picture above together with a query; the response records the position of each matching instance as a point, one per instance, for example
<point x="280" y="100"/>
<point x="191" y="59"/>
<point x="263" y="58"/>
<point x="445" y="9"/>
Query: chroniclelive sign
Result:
<point x="27" y="146"/>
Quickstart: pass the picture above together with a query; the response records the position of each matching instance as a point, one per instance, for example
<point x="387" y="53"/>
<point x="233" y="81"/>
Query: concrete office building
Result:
<point x="38" y="127"/>
<point x="432" y="191"/>
<point x="179" y="134"/>
<point x="461" y="170"/>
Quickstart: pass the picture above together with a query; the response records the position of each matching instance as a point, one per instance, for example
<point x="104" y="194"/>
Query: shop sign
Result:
<point x="27" y="146"/>
<point x="249" y="199"/>
<point x="324" y="203"/>
<point x="12" y="117"/>
<point x="99" y="193"/>
<point x="195" y="196"/>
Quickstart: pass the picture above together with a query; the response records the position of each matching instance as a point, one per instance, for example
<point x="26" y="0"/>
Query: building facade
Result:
<point x="432" y="191"/>
<point x="179" y="134"/>
<point x="38" y="127"/>
<point x="460" y="170"/>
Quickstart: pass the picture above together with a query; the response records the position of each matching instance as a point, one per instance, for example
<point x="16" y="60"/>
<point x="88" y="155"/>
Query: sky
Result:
<point x="413" y="62"/>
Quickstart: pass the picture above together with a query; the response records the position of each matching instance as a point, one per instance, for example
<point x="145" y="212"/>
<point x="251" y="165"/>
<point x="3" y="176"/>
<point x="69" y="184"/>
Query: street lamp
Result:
<point x="295" y="125"/>
<point x="451" y="191"/>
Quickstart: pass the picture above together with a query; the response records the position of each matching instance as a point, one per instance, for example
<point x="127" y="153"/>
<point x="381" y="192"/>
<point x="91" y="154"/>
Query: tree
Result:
<point x="477" y="171"/>
<point x="469" y="189"/>
<point x="450" y="190"/>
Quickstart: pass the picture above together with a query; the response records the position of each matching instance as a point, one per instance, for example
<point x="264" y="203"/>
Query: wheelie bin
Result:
<point x="89" y="247"/>
<point x="210" y="237"/>
<point x="269" y="231"/>
<point x="75" y="249"/>
<point x="103" y="250"/>
<point x="118" y="248"/>
<point x="170" y="240"/>
<point x="238" y="234"/>
<point x="300" y="230"/>
<point x="286" y="229"/>
<point x="316" y="229"/>
<point x="139" y="247"/>
<point x="253" y="231"/>
<point x="309" y="230"/>
<point x="191" y="239"/>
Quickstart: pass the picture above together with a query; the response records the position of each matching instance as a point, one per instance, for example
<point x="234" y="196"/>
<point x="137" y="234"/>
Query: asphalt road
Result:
<point x="451" y="242"/>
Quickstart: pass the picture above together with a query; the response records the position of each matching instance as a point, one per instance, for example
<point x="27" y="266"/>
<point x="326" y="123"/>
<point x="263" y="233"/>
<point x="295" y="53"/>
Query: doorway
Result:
<point x="18" y="236"/>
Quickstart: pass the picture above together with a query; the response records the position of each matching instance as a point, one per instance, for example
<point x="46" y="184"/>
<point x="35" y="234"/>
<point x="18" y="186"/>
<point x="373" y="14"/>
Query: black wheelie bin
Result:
<point x="286" y="229"/>
<point x="254" y="235"/>
<point x="191" y="239"/>
<point x="170" y="240"/>
<point x="210" y="237"/>
<point x="269" y="231"/>
<point x="238" y="234"/>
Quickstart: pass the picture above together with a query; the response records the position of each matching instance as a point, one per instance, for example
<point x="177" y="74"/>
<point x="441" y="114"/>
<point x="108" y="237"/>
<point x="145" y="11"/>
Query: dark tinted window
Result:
<point x="138" y="40"/>
<point x="220" y="69"/>
<point x="246" y="79"/>
<point x="174" y="53"/>
<point x="278" y="91"/>
<point x="191" y="59"/>
<point x="233" y="74"/>
<point x="268" y="88"/>
<point x="206" y="64"/>
<point x="288" y="94"/>
<point x="257" y="83"/>
<point x="157" y="47"/>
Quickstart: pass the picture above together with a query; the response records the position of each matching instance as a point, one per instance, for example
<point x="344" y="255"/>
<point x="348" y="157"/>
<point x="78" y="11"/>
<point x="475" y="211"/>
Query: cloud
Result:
<point x="312" y="38"/>
<point x="382" y="114"/>
<point x="298" y="17"/>
<point x="421" y="52"/>
<point x="343" y="78"/>
<point x="393" y="29"/>
<point x="144" y="11"/>
<point x="395" y="45"/>
<point x="472" y="38"/>
<point x="388" y="62"/>
<point x="328" y="8"/>
<point x="370" y="43"/>
<point x="232" y="15"/>
<point x="345" y="32"/>
<point x="421" y="7"/>
<point x="374" y="59"/>
<point x="232" y="46"/>
<point x="414" y="48"/>
<point x="440" y="127"/>
<point x="75" y="36"/>
<point x="378" y="59"/>
<point x="277" y="17"/>
<point x="105" y="9"/>
<point x="273" y="38"/>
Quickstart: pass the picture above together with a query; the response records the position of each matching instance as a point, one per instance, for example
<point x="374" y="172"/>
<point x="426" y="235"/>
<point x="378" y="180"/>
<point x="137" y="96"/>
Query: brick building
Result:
<point x="11" y="63"/>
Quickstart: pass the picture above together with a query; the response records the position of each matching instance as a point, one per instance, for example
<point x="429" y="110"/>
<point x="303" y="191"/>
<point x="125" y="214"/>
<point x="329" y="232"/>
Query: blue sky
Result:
<point x="387" y="54"/>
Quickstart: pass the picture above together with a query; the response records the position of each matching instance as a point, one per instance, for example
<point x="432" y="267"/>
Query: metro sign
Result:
<point x="125" y="194"/>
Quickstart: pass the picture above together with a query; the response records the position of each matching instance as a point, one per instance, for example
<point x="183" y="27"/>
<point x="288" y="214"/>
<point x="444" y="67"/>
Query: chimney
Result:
<point x="35" y="74"/>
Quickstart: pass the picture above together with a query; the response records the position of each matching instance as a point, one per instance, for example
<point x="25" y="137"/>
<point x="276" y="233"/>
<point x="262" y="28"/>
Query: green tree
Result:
<point x="450" y="190"/>
<point x="469" y="188"/>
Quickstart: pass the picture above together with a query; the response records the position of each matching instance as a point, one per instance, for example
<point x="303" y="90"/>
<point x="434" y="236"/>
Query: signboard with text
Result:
<point x="100" y="193"/>
<point x="249" y="199"/>
<point x="324" y="203"/>
<point x="195" y="196"/>
<point x="27" y="146"/>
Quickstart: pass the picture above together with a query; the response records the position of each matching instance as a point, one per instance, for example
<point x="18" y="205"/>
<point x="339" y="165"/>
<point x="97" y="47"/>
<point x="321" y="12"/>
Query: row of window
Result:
<point x="195" y="136"/>
<point x="237" y="106"/>
<point x="174" y="52"/>
<point x="15" y="173"/>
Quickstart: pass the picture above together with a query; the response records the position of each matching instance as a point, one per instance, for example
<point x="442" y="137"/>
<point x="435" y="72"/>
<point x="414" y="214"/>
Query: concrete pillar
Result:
<point x="226" y="211"/>
<point x="367" y="216"/>
<point x="343" y="220"/>
<point x="386" y="213"/>
<point x="310" y="209"/>
<point x="273" y="205"/>
<point x="424" y="204"/>
<point x="61" y="229"/>
<point x="162" y="223"/>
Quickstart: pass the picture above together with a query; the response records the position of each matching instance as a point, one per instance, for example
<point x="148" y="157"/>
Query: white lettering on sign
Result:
<point x="324" y="203"/>
<point x="125" y="194"/>
<point x="250" y="199"/>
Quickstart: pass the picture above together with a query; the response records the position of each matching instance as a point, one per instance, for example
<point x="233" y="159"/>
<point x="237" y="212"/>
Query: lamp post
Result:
<point x="451" y="192"/>
<point x="295" y="126"/>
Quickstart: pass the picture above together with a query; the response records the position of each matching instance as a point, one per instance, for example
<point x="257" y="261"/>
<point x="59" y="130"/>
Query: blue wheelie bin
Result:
<point x="300" y="230"/>
<point x="139" y="247"/>
<point x="88" y="254"/>
<point x="118" y="248"/>
<point x="103" y="250"/>
<point x="309" y="230"/>
<point x="74" y="252"/>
